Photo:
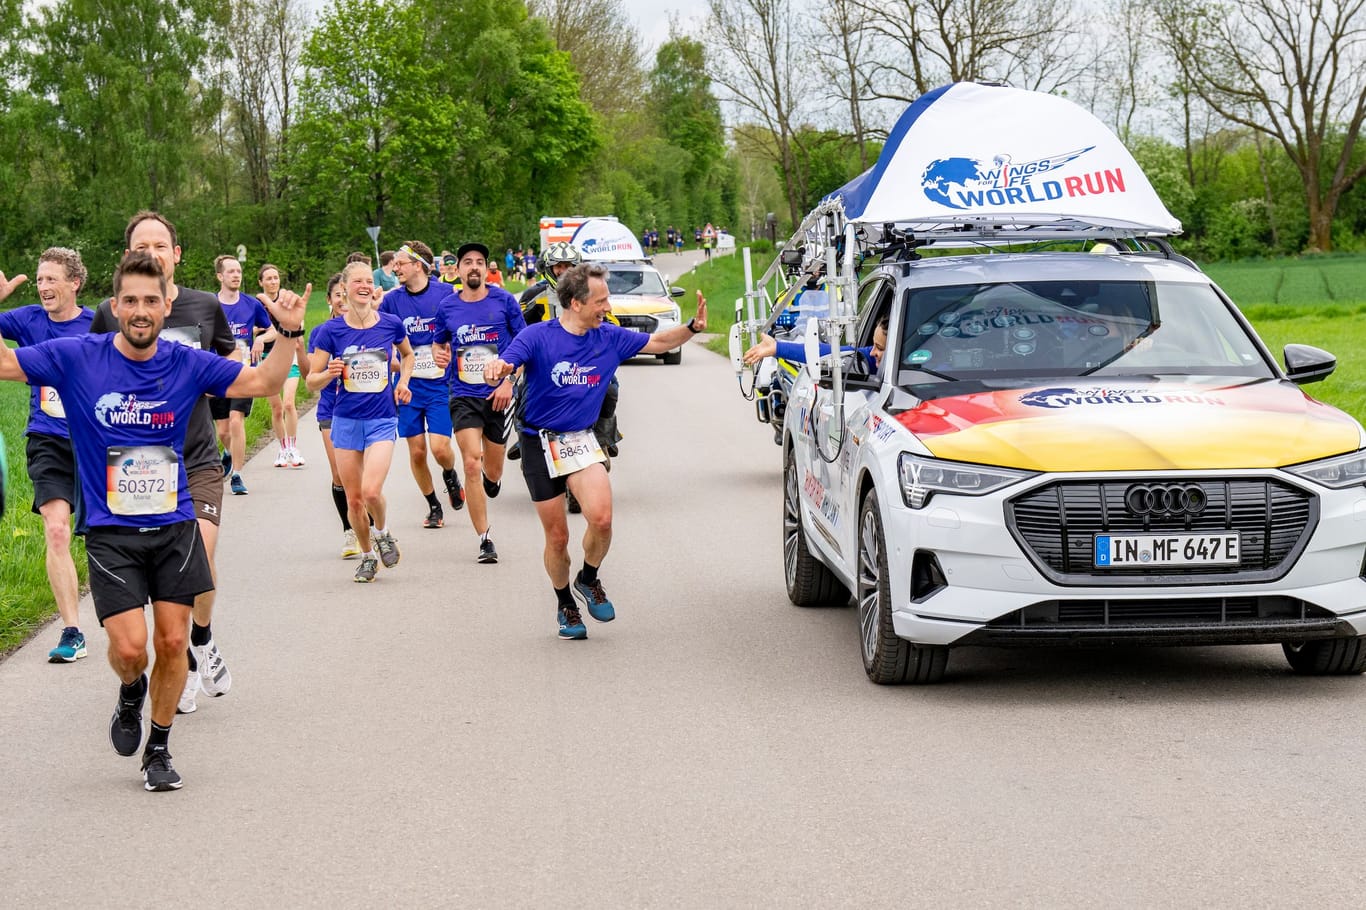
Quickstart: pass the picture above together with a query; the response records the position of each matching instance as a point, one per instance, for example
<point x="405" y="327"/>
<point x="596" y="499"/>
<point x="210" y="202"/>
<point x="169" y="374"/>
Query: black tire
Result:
<point x="672" y="358"/>
<point x="887" y="659"/>
<point x="809" y="582"/>
<point x="1327" y="656"/>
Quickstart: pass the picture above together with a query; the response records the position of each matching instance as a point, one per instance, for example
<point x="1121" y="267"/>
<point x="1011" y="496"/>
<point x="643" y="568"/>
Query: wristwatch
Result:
<point x="284" y="333"/>
<point x="692" y="328"/>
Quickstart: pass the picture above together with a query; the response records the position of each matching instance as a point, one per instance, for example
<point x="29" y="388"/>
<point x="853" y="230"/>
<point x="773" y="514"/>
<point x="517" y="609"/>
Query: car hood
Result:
<point x="640" y="305"/>
<point x="1134" y="425"/>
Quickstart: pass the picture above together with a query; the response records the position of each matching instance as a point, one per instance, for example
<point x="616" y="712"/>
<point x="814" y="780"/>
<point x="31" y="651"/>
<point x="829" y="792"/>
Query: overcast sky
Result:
<point x="652" y="19"/>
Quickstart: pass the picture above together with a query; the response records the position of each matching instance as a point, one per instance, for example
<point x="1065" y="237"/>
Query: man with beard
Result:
<point x="474" y="327"/>
<point x="51" y="460"/>
<point x="129" y="400"/>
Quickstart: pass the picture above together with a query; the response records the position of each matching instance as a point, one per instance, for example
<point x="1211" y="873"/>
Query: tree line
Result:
<point x="256" y="122"/>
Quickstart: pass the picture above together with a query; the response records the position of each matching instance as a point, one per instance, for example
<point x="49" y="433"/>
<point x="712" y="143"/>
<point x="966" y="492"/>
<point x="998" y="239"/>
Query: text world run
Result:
<point x="1096" y="183"/>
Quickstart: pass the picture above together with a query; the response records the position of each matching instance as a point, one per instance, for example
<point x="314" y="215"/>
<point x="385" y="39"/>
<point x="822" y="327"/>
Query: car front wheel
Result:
<point x="1327" y="656"/>
<point x="887" y="659"/>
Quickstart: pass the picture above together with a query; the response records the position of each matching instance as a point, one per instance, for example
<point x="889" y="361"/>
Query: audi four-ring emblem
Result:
<point x="1160" y="499"/>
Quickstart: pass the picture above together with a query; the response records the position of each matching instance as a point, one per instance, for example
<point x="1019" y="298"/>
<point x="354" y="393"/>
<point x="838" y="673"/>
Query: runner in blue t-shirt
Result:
<point x="247" y="317"/>
<point x="568" y="364"/>
<point x="128" y="401"/>
<point x="358" y="349"/>
<point x="327" y="399"/>
<point x="473" y="327"/>
<point x="51" y="461"/>
<point x="428" y="416"/>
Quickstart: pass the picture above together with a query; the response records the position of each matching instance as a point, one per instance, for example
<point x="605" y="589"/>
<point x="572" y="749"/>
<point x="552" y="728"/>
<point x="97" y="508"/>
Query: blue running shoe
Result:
<point x="571" y="624"/>
<point x="227" y="462"/>
<point x="238" y="487"/>
<point x="594" y="599"/>
<point x="70" y="648"/>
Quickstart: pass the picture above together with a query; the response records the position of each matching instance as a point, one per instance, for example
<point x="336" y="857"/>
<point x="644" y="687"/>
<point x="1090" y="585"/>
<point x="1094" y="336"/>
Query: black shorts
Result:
<point x="220" y="408"/>
<point x="539" y="483"/>
<point x="52" y="468"/>
<point x="206" y="490"/>
<point x="130" y="566"/>
<point x="468" y="413"/>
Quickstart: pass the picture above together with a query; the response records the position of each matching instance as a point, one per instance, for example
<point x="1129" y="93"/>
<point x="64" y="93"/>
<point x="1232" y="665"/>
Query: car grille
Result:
<point x="1057" y="523"/>
<point x="647" y="324"/>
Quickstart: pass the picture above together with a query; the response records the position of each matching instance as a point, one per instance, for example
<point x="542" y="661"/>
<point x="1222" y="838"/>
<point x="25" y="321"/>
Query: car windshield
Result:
<point x="638" y="282"/>
<point x="1072" y="328"/>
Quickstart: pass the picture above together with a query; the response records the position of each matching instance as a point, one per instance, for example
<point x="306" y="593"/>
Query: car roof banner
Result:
<point x="600" y="240"/>
<point x="967" y="153"/>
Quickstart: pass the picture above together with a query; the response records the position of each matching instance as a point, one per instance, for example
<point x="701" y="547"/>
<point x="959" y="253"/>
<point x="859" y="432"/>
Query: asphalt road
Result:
<point x="427" y="741"/>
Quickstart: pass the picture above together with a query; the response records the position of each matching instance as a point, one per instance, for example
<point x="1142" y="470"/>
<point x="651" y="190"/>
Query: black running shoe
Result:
<point x="157" y="773"/>
<point x="435" y="518"/>
<point x="491" y="487"/>
<point x="574" y="508"/>
<point x="487" y="552"/>
<point x="514" y="452"/>
<point x="125" y="727"/>
<point x="453" y="489"/>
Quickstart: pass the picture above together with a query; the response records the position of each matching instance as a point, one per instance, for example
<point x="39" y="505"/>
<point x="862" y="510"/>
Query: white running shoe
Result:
<point x="350" y="546"/>
<point x="295" y="459"/>
<point x="187" y="704"/>
<point x="214" y="677"/>
<point x="282" y="460"/>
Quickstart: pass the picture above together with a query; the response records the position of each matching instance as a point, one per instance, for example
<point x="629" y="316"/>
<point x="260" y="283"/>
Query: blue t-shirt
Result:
<point x="567" y="374"/>
<point x="30" y="325"/>
<point x="418" y="315"/>
<point x="384" y="280"/>
<point x="479" y="332"/>
<point x="327" y="397"/>
<point x="244" y="317"/>
<point x="365" y="392"/>
<point x="128" y="420"/>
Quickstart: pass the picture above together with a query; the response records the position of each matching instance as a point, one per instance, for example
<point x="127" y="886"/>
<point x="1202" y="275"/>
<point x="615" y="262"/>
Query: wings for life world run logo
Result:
<point x="967" y="183"/>
<point x="1066" y="397"/>
<point x="476" y="334"/>
<point x="596" y="246"/>
<point x="565" y="373"/>
<point x="115" y="409"/>
<point x="417" y="325"/>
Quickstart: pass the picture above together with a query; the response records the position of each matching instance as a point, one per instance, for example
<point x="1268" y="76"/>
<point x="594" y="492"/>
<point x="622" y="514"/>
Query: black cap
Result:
<point x="472" y="247"/>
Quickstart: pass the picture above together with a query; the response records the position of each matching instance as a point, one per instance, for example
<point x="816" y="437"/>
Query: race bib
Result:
<point x="471" y="360"/>
<point x="50" y="403"/>
<point x="142" y="480"/>
<point x="424" y="364"/>
<point x="366" y="372"/>
<point x="243" y="353"/>
<point x="187" y="335"/>
<point x="566" y="453"/>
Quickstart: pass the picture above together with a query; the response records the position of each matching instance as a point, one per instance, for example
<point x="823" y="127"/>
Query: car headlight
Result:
<point x="1337" y="472"/>
<point x="667" y="315"/>
<point x="922" y="477"/>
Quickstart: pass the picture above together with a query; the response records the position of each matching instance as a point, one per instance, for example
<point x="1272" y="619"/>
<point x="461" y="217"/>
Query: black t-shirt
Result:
<point x="200" y="320"/>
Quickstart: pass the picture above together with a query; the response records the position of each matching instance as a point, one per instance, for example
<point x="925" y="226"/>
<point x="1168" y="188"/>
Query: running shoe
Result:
<point x="189" y="694"/>
<point x="571" y="624"/>
<point x="70" y="648"/>
<point x="611" y="451"/>
<point x="491" y="488"/>
<point x="350" y="546"/>
<point x="435" y="518"/>
<point x="453" y="489"/>
<point x="227" y="462"/>
<point x="514" y="452"/>
<point x="365" y="573"/>
<point x="125" y="727"/>
<point x="295" y="459"/>
<point x="487" y="552"/>
<point x="238" y="487"/>
<point x="572" y="503"/>
<point x="157" y="774"/>
<point x="594" y="598"/>
<point x="282" y="459"/>
<point x="213" y="672"/>
<point x="388" y="549"/>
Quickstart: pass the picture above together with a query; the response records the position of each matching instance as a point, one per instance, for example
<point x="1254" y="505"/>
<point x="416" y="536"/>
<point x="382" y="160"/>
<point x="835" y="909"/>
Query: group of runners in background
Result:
<point x="131" y="401"/>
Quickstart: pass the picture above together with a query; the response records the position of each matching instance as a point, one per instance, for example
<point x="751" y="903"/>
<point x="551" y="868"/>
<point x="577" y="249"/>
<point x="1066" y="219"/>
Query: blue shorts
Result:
<point x="358" y="435"/>
<point x="428" y="412"/>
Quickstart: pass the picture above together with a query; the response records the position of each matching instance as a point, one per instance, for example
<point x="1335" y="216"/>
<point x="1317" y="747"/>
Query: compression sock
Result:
<point x="200" y="635"/>
<point x="159" y="735"/>
<point x="588" y="574"/>
<point x="135" y="689"/>
<point x="339" y="500"/>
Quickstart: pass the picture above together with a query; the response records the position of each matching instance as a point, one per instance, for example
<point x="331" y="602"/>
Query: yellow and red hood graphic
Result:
<point x="1134" y="425"/>
<point x="640" y="305"/>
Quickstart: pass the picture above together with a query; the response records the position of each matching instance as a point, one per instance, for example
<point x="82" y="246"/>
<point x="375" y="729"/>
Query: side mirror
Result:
<point x="676" y="291"/>
<point x="1305" y="364"/>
